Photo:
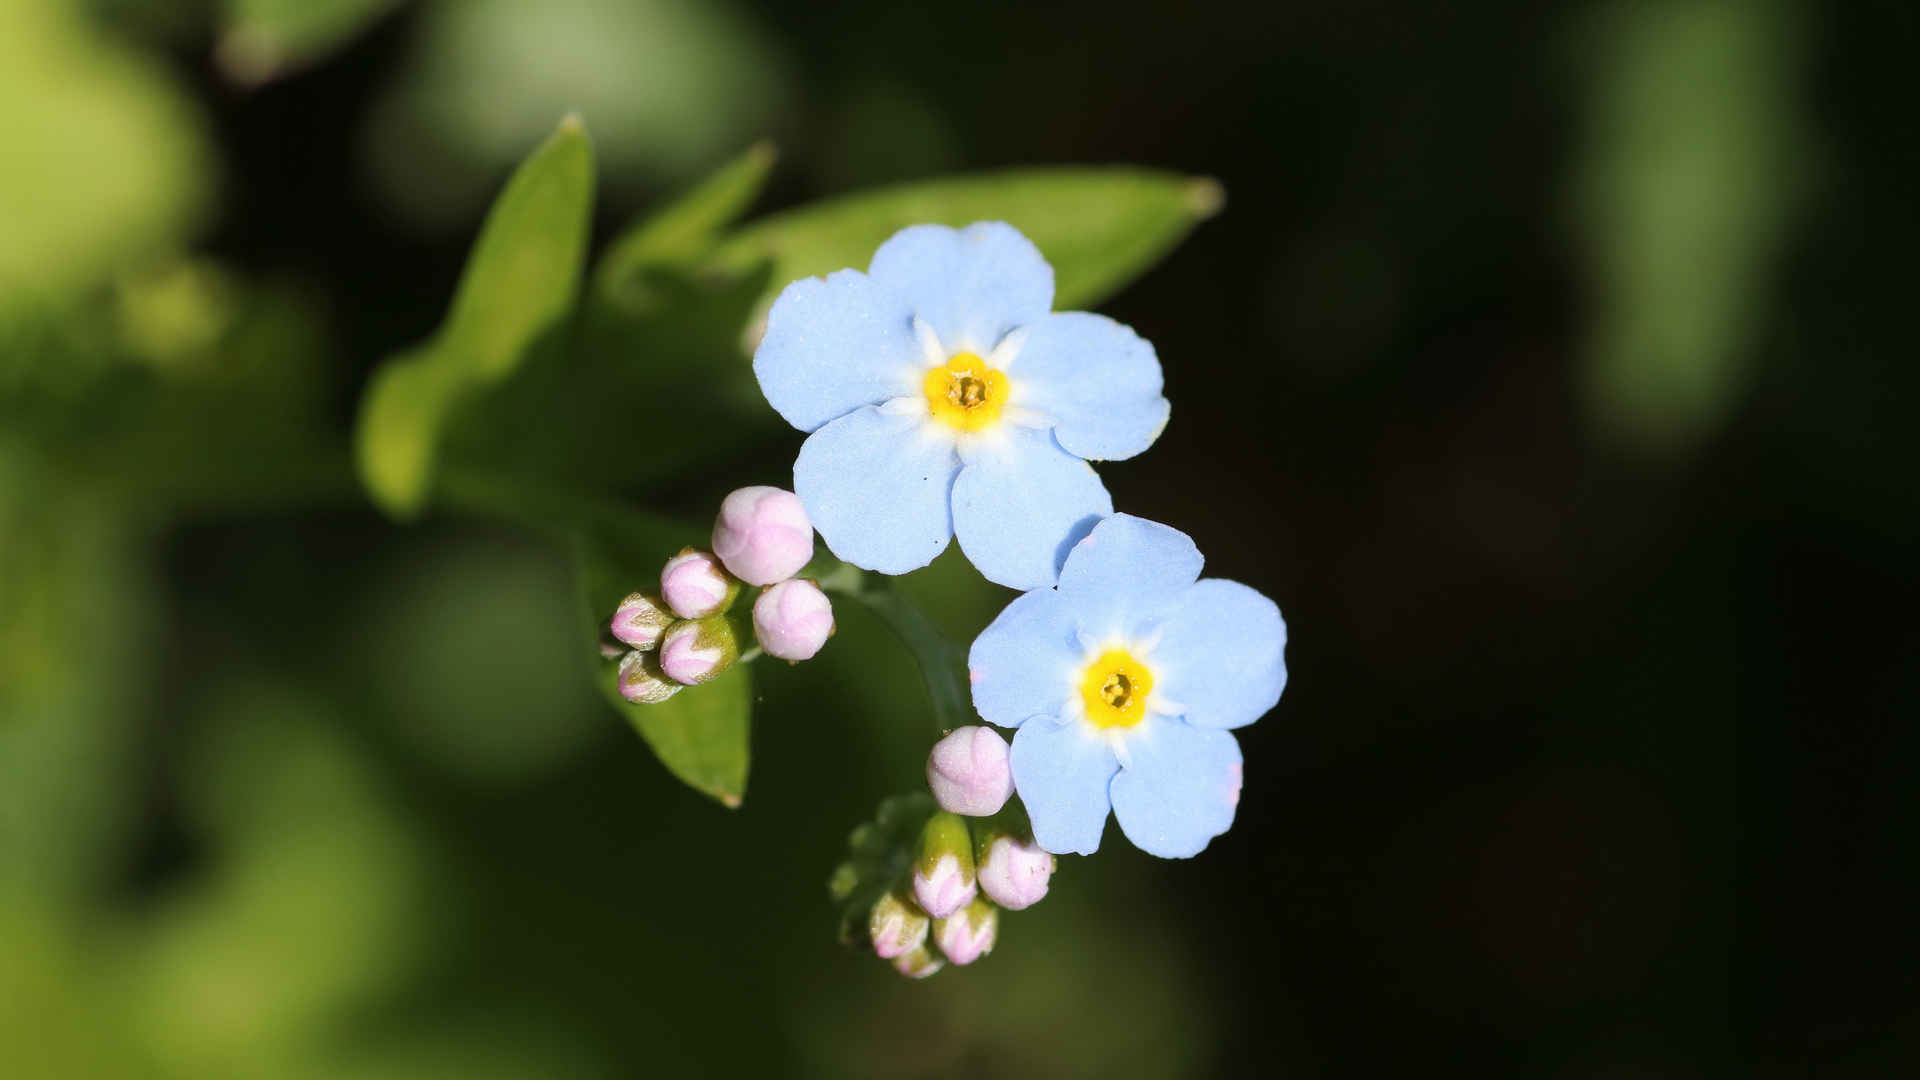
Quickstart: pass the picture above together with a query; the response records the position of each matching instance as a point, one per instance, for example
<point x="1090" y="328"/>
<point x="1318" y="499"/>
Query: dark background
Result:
<point x="1597" y="754"/>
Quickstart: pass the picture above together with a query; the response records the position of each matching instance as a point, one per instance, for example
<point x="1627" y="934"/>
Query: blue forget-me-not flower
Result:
<point x="944" y="398"/>
<point x="1124" y="682"/>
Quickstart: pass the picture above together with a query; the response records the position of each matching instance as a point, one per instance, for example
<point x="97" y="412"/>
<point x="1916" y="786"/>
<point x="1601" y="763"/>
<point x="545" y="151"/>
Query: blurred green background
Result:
<point x="1548" y="364"/>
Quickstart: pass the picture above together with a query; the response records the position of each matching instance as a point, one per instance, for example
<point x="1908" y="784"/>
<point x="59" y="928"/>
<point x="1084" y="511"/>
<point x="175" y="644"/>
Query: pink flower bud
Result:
<point x="969" y="771"/>
<point x="642" y="682"/>
<point x="896" y="926"/>
<point x="919" y="963"/>
<point x="763" y="535"/>
<point x="944" y="889"/>
<point x="639" y="621"/>
<point x="693" y="652"/>
<point x="943" y="872"/>
<point x="695" y="586"/>
<point x="793" y="619"/>
<point x="968" y="934"/>
<point x="1015" y="873"/>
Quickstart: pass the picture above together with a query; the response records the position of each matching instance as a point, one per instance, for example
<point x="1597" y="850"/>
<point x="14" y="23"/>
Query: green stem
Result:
<point x="943" y="667"/>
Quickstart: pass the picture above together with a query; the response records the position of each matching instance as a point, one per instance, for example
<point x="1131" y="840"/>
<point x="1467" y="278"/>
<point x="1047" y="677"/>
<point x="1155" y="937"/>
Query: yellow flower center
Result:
<point x="966" y="394"/>
<point x="1115" y="688"/>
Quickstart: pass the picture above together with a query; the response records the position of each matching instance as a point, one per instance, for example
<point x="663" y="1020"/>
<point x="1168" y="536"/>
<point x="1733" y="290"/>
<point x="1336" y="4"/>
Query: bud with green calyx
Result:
<point x="968" y="934"/>
<point x="642" y="682"/>
<point x="639" y="621"/>
<point x="696" y="650"/>
<point x="1013" y="870"/>
<point x="896" y="925"/>
<point x="879" y="856"/>
<point x="943" y="875"/>
<point x="919" y="963"/>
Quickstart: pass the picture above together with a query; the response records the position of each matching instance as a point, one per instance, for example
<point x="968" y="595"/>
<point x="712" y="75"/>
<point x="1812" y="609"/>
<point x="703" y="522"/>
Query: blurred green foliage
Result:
<point x="289" y="790"/>
<point x="1696" y="156"/>
<point x="106" y="159"/>
<point x="263" y="39"/>
<point x="667" y="85"/>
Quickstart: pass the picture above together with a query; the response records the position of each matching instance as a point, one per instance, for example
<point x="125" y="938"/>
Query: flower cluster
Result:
<point x="925" y="886"/>
<point x="689" y="632"/>
<point x="943" y="398"/>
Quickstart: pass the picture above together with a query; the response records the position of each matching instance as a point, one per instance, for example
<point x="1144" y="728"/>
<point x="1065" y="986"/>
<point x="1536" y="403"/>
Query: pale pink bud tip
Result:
<point x="895" y="926"/>
<point x="642" y="682"/>
<point x="968" y="934"/>
<point x="694" y="585"/>
<point x="944" y="889"/>
<point x="639" y="621"/>
<point x="793" y="619"/>
<point x="969" y="771"/>
<point x="693" y="652"/>
<point x="1016" y="875"/>
<point x="762" y="535"/>
<point x="919" y="963"/>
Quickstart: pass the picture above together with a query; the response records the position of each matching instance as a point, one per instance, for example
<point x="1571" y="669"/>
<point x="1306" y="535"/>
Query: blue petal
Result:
<point x="1220" y="654"/>
<point x="971" y="285"/>
<point x="1024" y="663"/>
<point x="1061" y="770"/>
<point x="1021" y="503"/>
<point x="1178" y="789"/>
<point x="1097" y="379"/>
<point x="1127" y="556"/>
<point x="834" y="344"/>
<point x="877" y="485"/>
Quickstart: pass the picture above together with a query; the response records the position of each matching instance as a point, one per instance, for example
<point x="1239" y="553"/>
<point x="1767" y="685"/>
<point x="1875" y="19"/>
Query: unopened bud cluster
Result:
<point x="690" y="630"/>
<point x="924" y="886"/>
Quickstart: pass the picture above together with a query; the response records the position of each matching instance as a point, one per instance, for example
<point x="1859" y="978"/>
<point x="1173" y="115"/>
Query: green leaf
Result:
<point x="699" y="734"/>
<point x="653" y="378"/>
<point x="108" y="160"/>
<point x="687" y="229"/>
<point x="518" y="286"/>
<point x="1100" y="227"/>
<point x="266" y="38"/>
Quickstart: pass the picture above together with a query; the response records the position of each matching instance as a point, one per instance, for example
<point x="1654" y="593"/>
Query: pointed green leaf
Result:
<point x="266" y="38"/>
<point x="1099" y="227"/>
<point x="699" y="734"/>
<point x="686" y="229"/>
<point x="518" y="286"/>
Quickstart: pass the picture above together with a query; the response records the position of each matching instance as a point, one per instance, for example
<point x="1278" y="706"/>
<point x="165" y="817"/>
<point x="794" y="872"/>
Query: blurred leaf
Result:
<point x="1099" y="227"/>
<point x="58" y="986"/>
<point x="687" y="228"/>
<point x="668" y="85"/>
<point x="266" y="38"/>
<point x="461" y="596"/>
<point x="519" y="283"/>
<point x="699" y="734"/>
<point x="105" y="158"/>
<point x="1690" y="174"/>
<point x="306" y="915"/>
<point x="76" y="598"/>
